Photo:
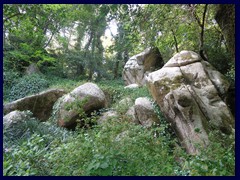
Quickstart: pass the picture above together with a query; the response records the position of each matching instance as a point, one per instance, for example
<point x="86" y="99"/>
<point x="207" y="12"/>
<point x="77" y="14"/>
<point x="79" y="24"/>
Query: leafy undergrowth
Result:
<point x="115" y="148"/>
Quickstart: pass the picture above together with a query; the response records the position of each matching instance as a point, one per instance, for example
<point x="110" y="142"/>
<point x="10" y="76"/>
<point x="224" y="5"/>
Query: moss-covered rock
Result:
<point x="81" y="101"/>
<point x="189" y="92"/>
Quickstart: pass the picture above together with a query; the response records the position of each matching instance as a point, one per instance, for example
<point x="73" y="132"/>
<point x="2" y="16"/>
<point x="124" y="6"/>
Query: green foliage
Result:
<point x="113" y="148"/>
<point x="24" y="160"/>
<point x="167" y="131"/>
<point x="18" y="130"/>
<point x="78" y="106"/>
<point x="114" y="90"/>
<point x="27" y="85"/>
<point x="231" y="73"/>
<point x="98" y="152"/>
<point x="216" y="160"/>
<point x="10" y="77"/>
<point x="44" y="34"/>
<point x="28" y="154"/>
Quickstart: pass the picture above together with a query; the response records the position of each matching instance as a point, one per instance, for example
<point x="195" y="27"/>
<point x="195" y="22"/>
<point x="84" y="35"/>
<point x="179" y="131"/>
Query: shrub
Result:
<point x="113" y="148"/>
<point x="28" y="153"/>
<point x="231" y="73"/>
<point x="216" y="160"/>
<point x="25" y="159"/>
<point x="10" y="77"/>
<point x="28" y="85"/>
<point x="98" y="151"/>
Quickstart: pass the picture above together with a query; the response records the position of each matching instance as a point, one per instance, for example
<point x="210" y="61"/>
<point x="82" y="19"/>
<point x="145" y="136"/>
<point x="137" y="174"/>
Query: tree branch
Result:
<point x="7" y="18"/>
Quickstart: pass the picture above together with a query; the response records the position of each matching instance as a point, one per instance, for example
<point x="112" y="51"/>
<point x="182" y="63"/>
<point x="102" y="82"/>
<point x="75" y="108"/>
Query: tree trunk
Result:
<point x="225" y="17"/>
<point x="201" y="25"/>
<point x="80" y="69"/>
<point x="116" y="69"/>
<point x="175" y="41"/>
<point x="202" y="28"/>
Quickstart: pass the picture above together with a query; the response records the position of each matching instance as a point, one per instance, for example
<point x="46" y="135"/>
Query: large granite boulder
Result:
<point x="105" y="116"/>
<point x="138" y="66"/>
<point x="189" y="92"/>
<point x="83" y="99"/>
<point x="39" y="104"/>
<point x="15" y="124"/>
<point x="16" y="117"/>
<point x="144" y="112"/>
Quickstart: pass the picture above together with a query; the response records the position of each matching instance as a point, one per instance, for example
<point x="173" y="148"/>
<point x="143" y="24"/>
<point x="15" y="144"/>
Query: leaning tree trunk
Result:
<point x="119" y="58"/>
<point x="225" y="17"/>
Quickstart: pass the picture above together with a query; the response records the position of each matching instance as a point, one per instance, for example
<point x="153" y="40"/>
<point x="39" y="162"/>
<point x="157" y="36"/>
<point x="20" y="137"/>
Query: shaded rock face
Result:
<point x="39" y="104"/>
<point x="106" y="116"/>
<point x="88" y="96"/>
<point x="138" y="66"/>
<point x="142" y="112"/>
<point x="188" y="91"/>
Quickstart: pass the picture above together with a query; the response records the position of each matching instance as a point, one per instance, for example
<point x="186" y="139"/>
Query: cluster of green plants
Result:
<point x="115" y="148"/>
<point x="218" y="159"/>
<point x="27" y="143"/>
<point x="231" y="73"/>
<point x="95" y="151"/>
<point x="26" y="85"/>
<point x="115" y="91"/>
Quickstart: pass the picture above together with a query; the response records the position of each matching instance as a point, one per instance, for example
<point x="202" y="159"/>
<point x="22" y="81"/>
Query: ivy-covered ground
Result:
<point x="114" y="148"/>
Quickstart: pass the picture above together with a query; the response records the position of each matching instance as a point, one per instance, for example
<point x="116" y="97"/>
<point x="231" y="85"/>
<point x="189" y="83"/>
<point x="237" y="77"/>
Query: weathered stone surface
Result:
<point x="137" y="66"/>
<point x="131" y="86"/>
<point x="106" y="116"/>
<point x="39" y="104"/>
<point x="144" y="112"/>
<point x="125" y="102"/>
<point x="89" y="96"/>
<point x="132" y="115"/>
<point x="15" y="117"/>
<point x="188" y="91"/>
<point x="15" y="124"/>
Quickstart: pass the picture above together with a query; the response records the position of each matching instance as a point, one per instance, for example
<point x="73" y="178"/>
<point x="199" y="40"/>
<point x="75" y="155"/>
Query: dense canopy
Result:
<point x="178" y="61"/>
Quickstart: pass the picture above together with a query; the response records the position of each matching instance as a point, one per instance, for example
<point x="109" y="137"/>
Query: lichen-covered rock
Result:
<point x="138" y="66"/>
<point x="15" y="124"/>
<point x="16" y="117"/>
<point x="131" y="114"/>
<point x="144" y="112"/>
<point x="125" y="102"/>
<point x="83" y="99"/>
<point x="106" y="116"/>
<point x="188" y="91"/>
<point x="39" y="104"/>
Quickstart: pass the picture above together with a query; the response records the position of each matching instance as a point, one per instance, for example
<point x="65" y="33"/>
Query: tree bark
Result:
<point x="119" y="58"/>
<point x="175" y="41"/>
<point x="225" y="17"/>
<point x="202" y="26"/>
